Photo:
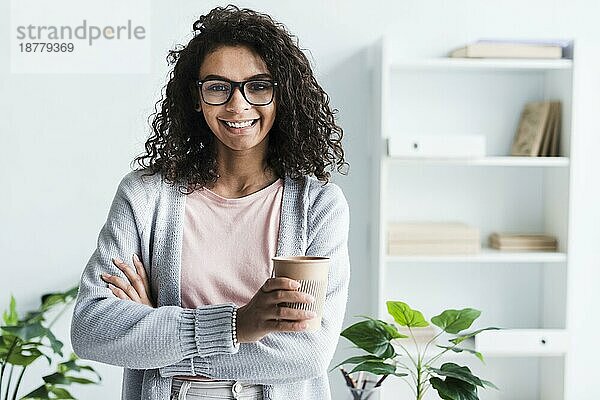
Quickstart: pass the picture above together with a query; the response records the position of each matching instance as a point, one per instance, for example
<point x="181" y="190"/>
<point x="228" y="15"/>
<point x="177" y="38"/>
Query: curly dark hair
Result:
<point x="304" y="139"/>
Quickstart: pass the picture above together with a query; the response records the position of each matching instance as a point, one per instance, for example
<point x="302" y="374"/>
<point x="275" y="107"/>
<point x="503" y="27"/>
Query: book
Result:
<point x="428" y="231"/>
<point x="432" y="238"/>
<point x="510" y="49"/>
<point x="565" y="44"/>
<point x="522" y="242"/>
<point x="549" y="146"/>
<point x="553" y="150"/>
<point x="538" y="130"/>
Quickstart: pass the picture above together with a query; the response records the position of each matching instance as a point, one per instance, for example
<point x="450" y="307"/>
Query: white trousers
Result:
<point x="200" y="390"/>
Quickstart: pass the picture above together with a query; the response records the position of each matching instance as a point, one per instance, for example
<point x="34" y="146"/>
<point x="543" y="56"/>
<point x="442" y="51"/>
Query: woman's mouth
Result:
<point x="238" y="126"/>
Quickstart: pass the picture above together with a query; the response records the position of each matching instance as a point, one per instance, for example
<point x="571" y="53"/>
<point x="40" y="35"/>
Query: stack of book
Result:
<point x="523" y="242"/>
<point x="538" y="133"/>
<point x="501" y="48"/>
<point x="431" y="238"/>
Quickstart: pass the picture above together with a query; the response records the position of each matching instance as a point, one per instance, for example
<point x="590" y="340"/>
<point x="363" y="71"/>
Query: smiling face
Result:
<point x="238" y="125"/>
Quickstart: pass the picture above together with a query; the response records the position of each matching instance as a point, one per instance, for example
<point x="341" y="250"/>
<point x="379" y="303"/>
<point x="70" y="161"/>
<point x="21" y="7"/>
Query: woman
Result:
<point x="233" y="175"/>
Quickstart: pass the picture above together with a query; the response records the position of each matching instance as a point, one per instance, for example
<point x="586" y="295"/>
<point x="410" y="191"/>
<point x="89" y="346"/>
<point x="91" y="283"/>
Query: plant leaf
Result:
<point x="375" y="367"/>
<point x="83" y="381"/>
<point x="49" y="300"/>
<point x="406" y="316"/>
<point x="393" y="331"/>
<point x="371" y="336"/>
<point x="390" y="352"/>
<point x="357" y="360"/>
<point x="454" y="389"/>
<point x="26" y="331"/>
<point x="24" y="357"/>
<point x="454" y="321"/>
<point x="461" y="349"/>
<point x="456" y="371"/>
<point x="39" y="393"/>
<point x="56" y="379"/>
<point x="462" y="338"/>
<point x="60" y="393"/>
<point x="33" y="316"/>
<point x="489" y="384"/>
<point x="54" y="343"/>
<point x="6" y="342"/>
<point x="10" y="316"/>
<point x="72" y="365"/>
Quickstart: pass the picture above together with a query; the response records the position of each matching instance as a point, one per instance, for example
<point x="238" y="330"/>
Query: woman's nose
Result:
<point x="237" y="102"/>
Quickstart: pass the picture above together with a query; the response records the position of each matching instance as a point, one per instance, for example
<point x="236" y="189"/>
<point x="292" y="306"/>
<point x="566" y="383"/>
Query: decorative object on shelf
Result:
<point x="432" y="238"/>
<point x="524" y="342"/>
<point x="504" y="48"/>
<point x="538" y="133"/>
<point x="437" y="146"/>
<point x="25" y="339"/>
<point x="379" y="338"/>
<point x="523" y="242"/>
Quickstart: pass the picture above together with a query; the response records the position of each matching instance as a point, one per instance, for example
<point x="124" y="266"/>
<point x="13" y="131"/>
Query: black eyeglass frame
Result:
<point x="235" y="84"/>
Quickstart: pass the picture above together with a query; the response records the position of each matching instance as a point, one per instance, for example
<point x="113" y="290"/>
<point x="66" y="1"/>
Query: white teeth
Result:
<point x="239" y="124"/>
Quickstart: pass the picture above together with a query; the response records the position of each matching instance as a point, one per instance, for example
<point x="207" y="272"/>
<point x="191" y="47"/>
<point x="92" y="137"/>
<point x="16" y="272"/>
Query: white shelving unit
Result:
<point x="523" y="292"/>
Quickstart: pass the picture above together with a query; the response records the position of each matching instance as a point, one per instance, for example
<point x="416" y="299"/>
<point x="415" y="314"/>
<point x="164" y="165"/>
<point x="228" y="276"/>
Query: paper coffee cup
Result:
<point x="311" y="272"/>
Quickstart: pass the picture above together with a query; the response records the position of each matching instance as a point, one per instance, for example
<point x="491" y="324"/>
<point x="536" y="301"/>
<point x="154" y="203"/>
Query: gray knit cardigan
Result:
<point x="155" y="344"/>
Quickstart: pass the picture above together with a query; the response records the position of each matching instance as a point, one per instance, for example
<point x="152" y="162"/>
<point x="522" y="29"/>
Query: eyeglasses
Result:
<point x="258" y="92"/>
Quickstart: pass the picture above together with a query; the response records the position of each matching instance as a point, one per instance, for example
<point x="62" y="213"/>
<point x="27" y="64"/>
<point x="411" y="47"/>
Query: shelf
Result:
<point x="527" y="293"/>
<point x="486" y="255"/>
<point x="507" y="161"/>
<point x="482" y="64"/>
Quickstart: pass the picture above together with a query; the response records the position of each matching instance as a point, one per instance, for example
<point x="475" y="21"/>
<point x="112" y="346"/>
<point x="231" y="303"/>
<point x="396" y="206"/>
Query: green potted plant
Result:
<point x="419" y="368"/>
<point x="23" y="340"/>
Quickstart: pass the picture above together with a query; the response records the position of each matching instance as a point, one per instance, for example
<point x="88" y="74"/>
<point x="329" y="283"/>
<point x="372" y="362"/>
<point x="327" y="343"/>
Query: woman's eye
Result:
<point x="259" y="86"/>
<point x="218" y="88"/>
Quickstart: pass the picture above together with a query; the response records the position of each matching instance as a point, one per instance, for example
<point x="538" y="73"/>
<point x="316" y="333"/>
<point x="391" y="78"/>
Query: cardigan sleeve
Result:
<point x="124" y="333"/>
<point x="284" y="357"/>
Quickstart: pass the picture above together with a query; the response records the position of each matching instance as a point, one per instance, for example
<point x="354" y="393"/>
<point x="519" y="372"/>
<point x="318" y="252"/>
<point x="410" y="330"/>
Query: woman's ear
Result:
<point x="198" y="107"/>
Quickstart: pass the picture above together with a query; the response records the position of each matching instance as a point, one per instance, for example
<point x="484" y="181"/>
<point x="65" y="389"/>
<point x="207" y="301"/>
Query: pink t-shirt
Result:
<point x="228" y="245"/>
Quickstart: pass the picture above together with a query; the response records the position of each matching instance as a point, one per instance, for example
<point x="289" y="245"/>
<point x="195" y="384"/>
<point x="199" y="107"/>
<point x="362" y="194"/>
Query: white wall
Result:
<point x="67" y="140"/>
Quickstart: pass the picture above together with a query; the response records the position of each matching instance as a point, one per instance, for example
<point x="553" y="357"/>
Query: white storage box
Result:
<point x="437" y="146"/>
<point x="523" y="342"/>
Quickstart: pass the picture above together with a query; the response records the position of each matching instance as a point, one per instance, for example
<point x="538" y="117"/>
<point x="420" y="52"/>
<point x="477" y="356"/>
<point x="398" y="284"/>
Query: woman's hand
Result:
<point x="264" y="313"/>
<point x="137" y="288"/>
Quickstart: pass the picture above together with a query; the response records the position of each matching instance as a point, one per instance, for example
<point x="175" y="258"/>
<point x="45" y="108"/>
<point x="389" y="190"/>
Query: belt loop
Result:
<point x="183" y="390"/>
<point x="236" y="389"/>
